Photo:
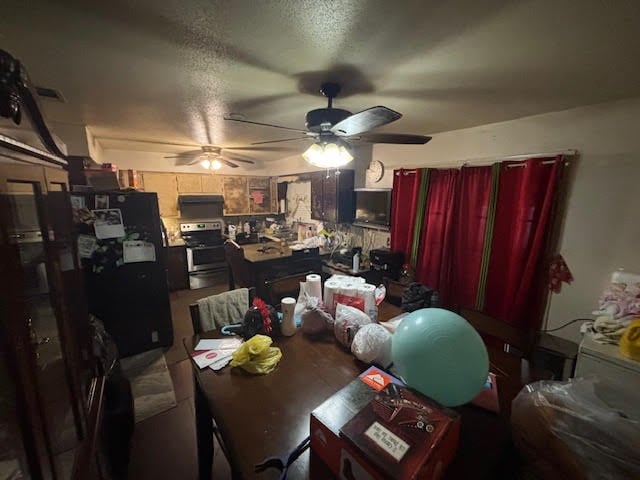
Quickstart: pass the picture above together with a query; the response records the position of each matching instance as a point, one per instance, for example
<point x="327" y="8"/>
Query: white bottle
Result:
<point x="288" y="325"/>
<point x="356" y="263"/>
<point x="247" y="228"/>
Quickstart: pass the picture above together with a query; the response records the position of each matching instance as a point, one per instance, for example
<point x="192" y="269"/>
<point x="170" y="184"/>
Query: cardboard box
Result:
<point x="339" y="425"/>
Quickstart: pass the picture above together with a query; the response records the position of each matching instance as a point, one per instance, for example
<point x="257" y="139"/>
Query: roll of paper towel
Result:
<point x="314" y="286"/>
<point x="349" y="289"/>
<point x="367" y="291"/>
<point x="330" y="288"/>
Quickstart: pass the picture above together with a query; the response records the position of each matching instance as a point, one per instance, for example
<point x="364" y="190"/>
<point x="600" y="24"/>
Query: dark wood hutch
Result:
<point x="51" y="390"/>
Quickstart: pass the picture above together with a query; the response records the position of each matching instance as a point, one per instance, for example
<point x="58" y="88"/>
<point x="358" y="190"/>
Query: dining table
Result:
<point x="258" y="416"/>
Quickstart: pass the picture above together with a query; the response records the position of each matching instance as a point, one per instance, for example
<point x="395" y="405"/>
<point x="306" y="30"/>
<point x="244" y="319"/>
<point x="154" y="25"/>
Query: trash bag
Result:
<point x="348" y="322"/>
<point x="315" y="320"/>
<point x="256" y="355"/>
<point x="580" y="429"/>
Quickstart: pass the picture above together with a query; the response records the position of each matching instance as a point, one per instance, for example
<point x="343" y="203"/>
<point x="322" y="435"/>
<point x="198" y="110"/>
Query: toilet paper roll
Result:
<point x="350" y="289"/>
<point x="367" y="291"/>
<point x="330" y="288"/>
<point x="314" y="285"/>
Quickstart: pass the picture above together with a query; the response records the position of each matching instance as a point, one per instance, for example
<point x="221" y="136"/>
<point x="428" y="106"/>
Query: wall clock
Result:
<point x="375" y="172"/>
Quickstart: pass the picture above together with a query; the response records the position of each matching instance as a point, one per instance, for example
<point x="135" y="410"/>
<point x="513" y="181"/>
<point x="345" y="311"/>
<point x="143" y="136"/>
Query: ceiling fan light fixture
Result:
<point x="206" y="164"/>
<point x="215" y="164"/>
<point x="329" y="154"/>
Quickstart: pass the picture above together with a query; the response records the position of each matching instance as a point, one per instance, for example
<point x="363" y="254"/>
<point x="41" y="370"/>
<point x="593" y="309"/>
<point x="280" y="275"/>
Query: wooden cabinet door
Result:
<point x="330" y="198"/>
<point x="165" y="185"/>
<point x="212" y="183"/>
<point x="57" y="179"/>
<point x="236" y="195"/>
<point x="317" y="207"/>
<point x="259" y="195"/>
<point x="189" y="183"/>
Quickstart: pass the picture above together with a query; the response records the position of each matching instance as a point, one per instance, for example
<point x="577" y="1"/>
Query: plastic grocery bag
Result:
<point x="580" y="429"/>
<point x="372" y="344"/>
<point x="256" y="355"/>
<point x="348" y="321"/>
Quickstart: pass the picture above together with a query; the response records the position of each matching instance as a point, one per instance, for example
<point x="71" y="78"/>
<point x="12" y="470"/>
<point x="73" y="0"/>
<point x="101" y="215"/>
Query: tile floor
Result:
<point x="164" y="446"/>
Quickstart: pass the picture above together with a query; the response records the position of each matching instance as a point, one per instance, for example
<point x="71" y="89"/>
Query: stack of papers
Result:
<point x="215" y="353"/>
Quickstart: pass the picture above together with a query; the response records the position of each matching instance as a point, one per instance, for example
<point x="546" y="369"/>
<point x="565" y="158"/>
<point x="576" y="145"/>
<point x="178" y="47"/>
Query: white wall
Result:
<point x="602" y="221"/>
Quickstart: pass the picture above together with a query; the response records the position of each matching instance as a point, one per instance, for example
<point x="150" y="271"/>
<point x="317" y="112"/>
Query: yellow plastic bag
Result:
<point x="630" y="341"/>
<point x="256" y="355"/>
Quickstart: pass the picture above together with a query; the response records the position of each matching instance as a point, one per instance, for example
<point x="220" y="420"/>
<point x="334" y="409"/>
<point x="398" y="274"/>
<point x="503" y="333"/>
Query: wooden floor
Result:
<point x="164" y="446"/>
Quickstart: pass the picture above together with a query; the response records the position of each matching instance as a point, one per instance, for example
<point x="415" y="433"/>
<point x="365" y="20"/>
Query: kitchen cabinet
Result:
<point x="236" y="195"/>
<point x="166" y="186"/>
<point x="260" y="195"/>
<point x="189" y="183"/>
<point x="177" y="268"/>
<point x="333" y="197"/>
<point x="212" y="183"/>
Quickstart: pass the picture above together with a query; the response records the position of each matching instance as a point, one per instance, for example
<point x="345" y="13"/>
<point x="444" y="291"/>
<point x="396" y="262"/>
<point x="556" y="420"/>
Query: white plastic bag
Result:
<point x="372" y="344"/>
<point x="347" y="323"/>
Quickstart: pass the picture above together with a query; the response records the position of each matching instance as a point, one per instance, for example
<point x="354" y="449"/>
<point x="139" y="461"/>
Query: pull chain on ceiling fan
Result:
<point x="332" y="128"/>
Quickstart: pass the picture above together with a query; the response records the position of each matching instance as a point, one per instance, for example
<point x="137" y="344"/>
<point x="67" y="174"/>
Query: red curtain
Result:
<point x="469" y="222"/>
<point x="522" y="224"/>
<point x="404" y="203"/>
<point x="433" y="265"/>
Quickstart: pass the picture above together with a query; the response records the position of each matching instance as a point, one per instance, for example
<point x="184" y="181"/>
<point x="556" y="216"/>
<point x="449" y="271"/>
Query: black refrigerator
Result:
<point x="123" y="251"/>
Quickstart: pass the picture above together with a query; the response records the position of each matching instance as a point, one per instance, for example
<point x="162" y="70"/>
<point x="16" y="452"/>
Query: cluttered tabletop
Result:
<point x="263" y="252"/>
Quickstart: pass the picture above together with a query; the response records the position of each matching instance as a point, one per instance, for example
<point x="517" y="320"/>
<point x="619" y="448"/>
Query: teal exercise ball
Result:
<point x="441" y="355"/>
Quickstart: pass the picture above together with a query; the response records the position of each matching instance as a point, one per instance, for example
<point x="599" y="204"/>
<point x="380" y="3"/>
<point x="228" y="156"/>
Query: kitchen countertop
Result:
<point x="252" y="254"/>
<point x="176" y="242"/>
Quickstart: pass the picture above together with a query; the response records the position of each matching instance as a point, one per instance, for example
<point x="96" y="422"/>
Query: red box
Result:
<point x="339" y="424"/>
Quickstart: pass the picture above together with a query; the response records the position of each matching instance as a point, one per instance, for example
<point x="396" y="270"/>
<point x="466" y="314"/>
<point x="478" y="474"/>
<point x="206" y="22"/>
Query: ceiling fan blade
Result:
<point x="231" y="156"/>
<point x="366" y="120"/>
<point x="182" y="161"/>
<point x="228" y="162"/>
<point x="274" y="148"/>
<point x="277" y="141"/>
<point x="187" y="153"/>
<point x="265" y="124"/>
<point x="400" y="138"/>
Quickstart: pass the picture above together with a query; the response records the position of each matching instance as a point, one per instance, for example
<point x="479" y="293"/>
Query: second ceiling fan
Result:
<point x="212" y="157"/>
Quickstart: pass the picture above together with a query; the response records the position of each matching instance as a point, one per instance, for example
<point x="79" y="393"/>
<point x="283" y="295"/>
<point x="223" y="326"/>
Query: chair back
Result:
<point x="194" y="312"/>
<point x="288" y="286"/>
<point x="239" y="275"/>
<point x="516" y="341"/>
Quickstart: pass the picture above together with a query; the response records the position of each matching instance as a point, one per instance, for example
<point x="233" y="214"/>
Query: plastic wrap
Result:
<point x="372" y="344"/>
<point x="581" y="429"/>
<point x="347" y="323"/>
<point x="315" y="320"/>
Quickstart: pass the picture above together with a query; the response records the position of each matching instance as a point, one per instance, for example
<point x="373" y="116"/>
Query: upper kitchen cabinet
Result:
<point x="332" y="197"/>
<point x="189" y="183"/>
<point x="166" y="186"/>
<point x="236" y="195"/>
<point x="212" y="183"/>
<point x="260" y="195"/>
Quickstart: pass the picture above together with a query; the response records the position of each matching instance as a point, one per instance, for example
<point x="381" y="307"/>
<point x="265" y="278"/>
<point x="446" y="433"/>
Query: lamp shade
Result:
<point x="327" y="155"/>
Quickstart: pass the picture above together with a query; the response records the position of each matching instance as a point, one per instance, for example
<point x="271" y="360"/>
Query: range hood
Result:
<point x="201" y="206"/>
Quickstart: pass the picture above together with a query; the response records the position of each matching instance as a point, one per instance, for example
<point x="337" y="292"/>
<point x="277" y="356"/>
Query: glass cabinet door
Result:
<point x="44" y="347"/>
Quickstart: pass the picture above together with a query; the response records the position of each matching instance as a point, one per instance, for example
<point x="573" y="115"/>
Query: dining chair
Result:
<point x="288" y="286"/>
<point x="196" y="322"/>
<point x="516" y="342"/>
<point x="239" y="274"/>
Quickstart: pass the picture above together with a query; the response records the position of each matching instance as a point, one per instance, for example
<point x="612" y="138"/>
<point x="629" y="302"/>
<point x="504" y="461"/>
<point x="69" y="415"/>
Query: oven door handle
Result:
<point x="189" y="259"/>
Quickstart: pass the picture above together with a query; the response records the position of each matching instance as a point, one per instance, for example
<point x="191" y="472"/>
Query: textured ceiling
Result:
<point x="168" y="71"/>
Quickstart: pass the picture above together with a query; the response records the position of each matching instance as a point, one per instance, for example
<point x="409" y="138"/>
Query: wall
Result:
<point x="601" y="230"/>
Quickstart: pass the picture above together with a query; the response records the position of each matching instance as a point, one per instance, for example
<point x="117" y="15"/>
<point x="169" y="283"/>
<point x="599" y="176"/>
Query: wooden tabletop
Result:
<point x="266" y="415"/>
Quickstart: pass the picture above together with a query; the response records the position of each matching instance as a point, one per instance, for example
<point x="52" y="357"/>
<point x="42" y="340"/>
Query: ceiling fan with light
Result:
<point x="211" y="157"/>
<point x="333" y="127"/>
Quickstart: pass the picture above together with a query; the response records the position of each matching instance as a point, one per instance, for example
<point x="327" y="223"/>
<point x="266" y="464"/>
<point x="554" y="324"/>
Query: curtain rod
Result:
<point x="523" y="156"/>
<point x="483" y="160"/>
